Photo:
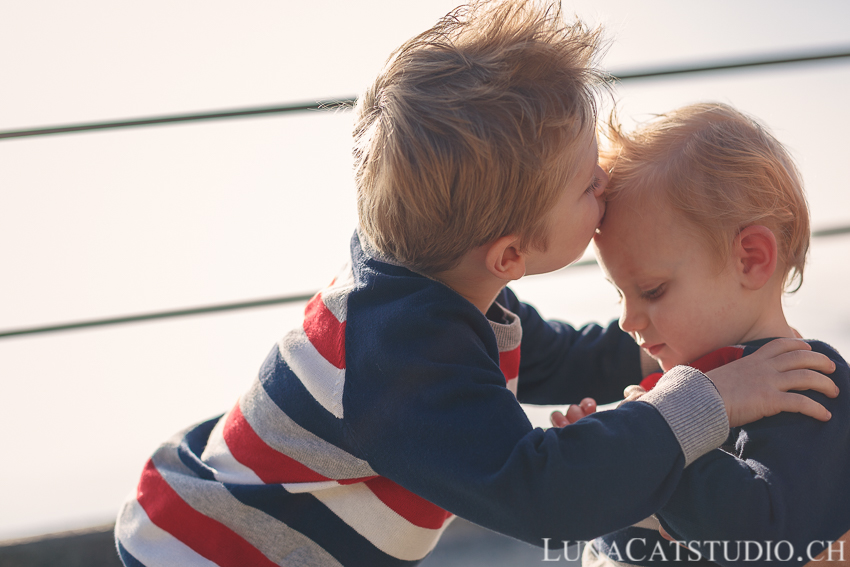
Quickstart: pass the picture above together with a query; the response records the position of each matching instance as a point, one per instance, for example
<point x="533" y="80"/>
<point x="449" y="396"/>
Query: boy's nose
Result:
<point x="631" y="319"/>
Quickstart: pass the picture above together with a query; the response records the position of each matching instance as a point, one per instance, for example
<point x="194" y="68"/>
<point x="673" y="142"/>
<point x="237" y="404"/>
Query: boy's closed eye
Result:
<point x="653" y="293"/>
<point x="648" y="295"/>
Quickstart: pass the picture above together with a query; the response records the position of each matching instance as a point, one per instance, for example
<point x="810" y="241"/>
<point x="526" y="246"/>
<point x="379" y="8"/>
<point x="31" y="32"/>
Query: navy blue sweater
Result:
<point x="781" y="483"/>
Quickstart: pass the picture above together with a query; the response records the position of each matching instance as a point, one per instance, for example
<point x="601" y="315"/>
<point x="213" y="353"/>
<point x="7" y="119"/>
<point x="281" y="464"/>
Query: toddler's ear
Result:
<point x="504" y="260"/>
<point x="755" y="254"/>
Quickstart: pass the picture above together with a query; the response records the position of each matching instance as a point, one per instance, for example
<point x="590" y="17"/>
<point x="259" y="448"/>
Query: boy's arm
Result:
<point x="560" y="364"/>
<point x="787" y="482"/>
<point x="438" y="421"/>
<point x="426" y="405"/>
<point x="474" y="453"/>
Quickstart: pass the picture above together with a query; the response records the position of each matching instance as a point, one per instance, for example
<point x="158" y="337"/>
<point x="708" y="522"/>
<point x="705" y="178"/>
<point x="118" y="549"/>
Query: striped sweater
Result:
<point x="392" y="408"/>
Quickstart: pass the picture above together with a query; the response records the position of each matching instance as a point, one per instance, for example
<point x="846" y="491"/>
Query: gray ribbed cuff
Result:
<point x="693" y="409"/>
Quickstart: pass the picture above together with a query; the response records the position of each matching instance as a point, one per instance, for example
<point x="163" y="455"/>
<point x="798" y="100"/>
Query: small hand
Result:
<point x="756" y="386"/>
<point x="632" y="393"/>
<point x="574" y="413"/>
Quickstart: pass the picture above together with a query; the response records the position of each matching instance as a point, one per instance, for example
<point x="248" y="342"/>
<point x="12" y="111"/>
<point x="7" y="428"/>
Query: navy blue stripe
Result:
<point x="307" y="515"/>
<point x="192" y="447"/>
<point x="287" y="392"/>
<point x="127" y="559"/>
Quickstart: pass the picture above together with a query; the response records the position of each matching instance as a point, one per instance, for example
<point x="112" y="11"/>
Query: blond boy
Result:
<point x="392" y="407"/>
<point x="706" y="227"/>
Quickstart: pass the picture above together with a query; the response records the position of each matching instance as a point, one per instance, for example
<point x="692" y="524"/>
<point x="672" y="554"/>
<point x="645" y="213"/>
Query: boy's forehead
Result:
<point x="585" y="153"/>
<point x="593" y="145"/>
<point x="583" y="145"/>
<point x="630" y="213"/>
<point x="643" y="240"/>
<point x="635" y="231"/>
<point x="579" y="160"/>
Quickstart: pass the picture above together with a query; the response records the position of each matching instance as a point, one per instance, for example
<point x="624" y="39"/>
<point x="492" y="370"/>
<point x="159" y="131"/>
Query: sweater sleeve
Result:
<point x="560" y="364"/>
<point x="784" y="481"/>
<point x="426" y="405"/>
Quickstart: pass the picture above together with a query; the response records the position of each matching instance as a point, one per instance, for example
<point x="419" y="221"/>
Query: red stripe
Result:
<point x="325" y="332"/>
<point x="205" y="536"/>
<point x="509" y="363"/>
<point x="409" y="506"/>
<point x="651" y="380"/>
<point x="272" y="466"/>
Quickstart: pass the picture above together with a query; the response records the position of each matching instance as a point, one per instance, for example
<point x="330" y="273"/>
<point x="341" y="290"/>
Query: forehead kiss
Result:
<point x="677" y="302"/>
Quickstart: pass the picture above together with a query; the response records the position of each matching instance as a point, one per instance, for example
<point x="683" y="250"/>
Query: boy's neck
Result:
<point x="479" y="294"/>
<point x="769" y="320"/>
<point x="472" y="282"/>
<point x="771" y="329"/>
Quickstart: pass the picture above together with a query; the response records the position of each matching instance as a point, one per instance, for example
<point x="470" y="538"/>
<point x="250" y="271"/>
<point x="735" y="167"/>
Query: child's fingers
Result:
<point x="801" y="368"/>
<point x="755" y="386"/>
<point x="799" y="403"/>
<point x="588" y="406"/>
<point x="558" y="419"/>
<point x="807" y="380"/>
<point x="797" y="359"/>
<point x="792" y="354"/>
<point x="633" y="391"/>
<point x="574" y="413"/>
<point x="779" y="346"/>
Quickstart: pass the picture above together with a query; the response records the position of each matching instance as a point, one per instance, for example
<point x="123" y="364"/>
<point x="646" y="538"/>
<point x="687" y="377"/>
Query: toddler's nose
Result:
<point x="631" y="320"/>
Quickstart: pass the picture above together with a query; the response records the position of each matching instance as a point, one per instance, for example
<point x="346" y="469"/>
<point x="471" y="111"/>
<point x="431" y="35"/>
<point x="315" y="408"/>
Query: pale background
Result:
<point x="130" y="221"/>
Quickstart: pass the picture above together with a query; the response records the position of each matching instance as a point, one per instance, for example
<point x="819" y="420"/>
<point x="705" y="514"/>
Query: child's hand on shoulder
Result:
<point x="758" y="385"/>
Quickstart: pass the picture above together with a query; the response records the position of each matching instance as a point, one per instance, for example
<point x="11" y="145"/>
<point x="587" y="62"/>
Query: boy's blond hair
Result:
<point x="471" y="131"/>
<point x="722" y="171"/>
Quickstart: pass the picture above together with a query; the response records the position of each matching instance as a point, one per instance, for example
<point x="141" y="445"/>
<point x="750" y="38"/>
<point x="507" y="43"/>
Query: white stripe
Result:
<point x="281" y="433"/>
<point x="358" y="507"/>
<point x="322" y="379"/>
<point x="226" y="468"/>
<point x="335" y="297"/>
<point x="151" y="545"/>
<point x="297" y="487"/>
<point x="271" y="537"/>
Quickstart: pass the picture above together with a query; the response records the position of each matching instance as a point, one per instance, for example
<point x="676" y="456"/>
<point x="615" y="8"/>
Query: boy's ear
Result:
<point x="755" y="254"/>
<point x="504" y="259"/>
